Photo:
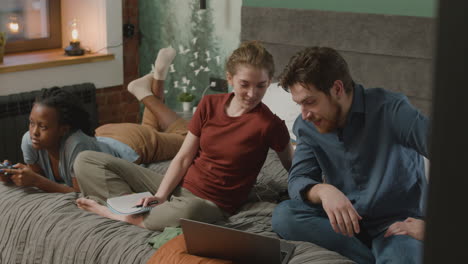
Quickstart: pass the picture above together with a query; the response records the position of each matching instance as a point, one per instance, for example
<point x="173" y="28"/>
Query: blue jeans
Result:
<point x="300" y="221"/>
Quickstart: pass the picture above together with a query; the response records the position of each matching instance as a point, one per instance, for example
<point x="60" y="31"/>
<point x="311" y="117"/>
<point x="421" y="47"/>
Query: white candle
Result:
<point x="14" y="27"/>
<point x="74" y="35"/>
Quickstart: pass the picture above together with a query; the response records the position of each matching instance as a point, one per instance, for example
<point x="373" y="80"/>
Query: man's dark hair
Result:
<point x="319" y="66"/>
<point x="69" y="108"/>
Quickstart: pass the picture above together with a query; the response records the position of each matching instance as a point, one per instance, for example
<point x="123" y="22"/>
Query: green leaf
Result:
<point x="186" y="97"/>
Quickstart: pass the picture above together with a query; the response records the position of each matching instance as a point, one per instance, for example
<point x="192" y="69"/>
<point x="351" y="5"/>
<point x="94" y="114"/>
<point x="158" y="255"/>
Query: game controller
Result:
<point x="5" y="166"/>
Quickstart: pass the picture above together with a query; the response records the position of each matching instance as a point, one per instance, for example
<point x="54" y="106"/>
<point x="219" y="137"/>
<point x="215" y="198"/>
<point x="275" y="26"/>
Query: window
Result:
<point x="31" y="24"/>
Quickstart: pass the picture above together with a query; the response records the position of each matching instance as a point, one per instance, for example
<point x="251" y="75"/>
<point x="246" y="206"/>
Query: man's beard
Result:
<point x="330" y="123"/>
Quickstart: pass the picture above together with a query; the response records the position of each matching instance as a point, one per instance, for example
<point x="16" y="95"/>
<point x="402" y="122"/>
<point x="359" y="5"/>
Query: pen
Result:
<point x="150" y="203"/>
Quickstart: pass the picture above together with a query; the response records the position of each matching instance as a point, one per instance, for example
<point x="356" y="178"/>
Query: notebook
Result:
<point x="126" y="204"/>
<point x="207" y="240"/>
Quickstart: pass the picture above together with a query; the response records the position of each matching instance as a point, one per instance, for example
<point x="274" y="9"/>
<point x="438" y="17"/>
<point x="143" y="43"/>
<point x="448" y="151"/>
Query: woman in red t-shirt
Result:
<point x="212" y="174"/>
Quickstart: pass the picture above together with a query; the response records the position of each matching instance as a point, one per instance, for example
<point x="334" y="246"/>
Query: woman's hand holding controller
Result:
<point x="5" y="176"/>
<point x="22" y="175"/>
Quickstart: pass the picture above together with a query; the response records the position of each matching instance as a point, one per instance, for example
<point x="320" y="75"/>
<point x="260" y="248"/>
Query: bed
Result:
<point x="37" y="227"/>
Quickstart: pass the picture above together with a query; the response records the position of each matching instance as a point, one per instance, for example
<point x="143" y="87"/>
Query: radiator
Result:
<point x="14" y="117"/>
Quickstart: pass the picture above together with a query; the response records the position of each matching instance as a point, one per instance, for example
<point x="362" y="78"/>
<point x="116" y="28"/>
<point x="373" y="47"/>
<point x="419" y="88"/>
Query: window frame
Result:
<point x="53" y="41"/>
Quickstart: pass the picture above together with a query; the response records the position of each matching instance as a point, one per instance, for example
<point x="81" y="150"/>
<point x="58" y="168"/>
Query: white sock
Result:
<point x="163" y="61"/>
<point x="141" y="87"/>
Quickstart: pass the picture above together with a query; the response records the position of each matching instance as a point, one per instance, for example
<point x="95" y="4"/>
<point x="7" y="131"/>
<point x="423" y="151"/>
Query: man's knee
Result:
<point x="399" y="249"/>
<point x="283" y="217"/>
<point x="281" y="211"/>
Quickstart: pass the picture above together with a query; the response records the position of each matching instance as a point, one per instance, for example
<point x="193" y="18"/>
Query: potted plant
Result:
<point x="2" y="45"/>
<point x="186" y="98"/>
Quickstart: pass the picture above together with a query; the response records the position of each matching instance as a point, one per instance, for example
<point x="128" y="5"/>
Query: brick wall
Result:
<point x="116" y="104"/>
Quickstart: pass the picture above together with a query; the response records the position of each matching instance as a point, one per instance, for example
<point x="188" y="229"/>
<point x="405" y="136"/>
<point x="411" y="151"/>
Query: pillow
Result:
<point x="175" y="252"/>
<point x="272" y="181"/>
<point x="280" y="103"/>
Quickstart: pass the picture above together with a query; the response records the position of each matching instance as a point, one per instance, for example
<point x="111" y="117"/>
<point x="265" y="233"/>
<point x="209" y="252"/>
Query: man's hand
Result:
<point x="411" y="226"/>
<point x="343" y="217"/>
<point x="22" y="175"/>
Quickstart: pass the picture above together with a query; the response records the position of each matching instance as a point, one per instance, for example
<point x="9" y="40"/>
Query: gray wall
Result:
<point x="388" y="51"/>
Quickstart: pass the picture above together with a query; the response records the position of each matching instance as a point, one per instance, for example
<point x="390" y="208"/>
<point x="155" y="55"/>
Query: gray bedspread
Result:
<point x="38" y="227"/>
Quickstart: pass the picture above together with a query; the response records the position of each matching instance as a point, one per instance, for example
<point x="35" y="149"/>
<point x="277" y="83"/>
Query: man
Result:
<point x="357" y="167"/>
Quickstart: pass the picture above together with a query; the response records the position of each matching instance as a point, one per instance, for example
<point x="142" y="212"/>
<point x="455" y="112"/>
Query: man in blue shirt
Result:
<point x="357" y="167"/>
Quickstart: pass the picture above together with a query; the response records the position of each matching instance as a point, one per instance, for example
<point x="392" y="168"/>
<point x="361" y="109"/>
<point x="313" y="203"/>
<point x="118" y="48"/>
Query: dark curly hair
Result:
<point x="69" y="107"/>
<point x="319" y="66"/>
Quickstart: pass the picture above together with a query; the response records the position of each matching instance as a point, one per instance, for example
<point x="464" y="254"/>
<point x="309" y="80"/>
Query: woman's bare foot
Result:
<point x="92" y="206"/>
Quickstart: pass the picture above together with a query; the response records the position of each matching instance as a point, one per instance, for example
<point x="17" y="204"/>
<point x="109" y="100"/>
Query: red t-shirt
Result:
<point x="232" y="150"/>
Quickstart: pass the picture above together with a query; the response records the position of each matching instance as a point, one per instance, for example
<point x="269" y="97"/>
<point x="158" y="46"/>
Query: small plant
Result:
<point x="186" y="97"/>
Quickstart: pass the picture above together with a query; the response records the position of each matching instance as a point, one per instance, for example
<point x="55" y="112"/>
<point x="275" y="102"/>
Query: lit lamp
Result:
<point x="13" y="25"/>
<point x="74" y="48"/>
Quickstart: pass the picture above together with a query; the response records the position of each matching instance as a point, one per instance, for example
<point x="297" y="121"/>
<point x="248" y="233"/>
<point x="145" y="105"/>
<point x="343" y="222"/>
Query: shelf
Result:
<point x="45" y="59"/>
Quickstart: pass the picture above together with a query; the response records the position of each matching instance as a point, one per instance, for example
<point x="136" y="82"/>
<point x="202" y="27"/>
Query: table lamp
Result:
<point x="74" y="48"/>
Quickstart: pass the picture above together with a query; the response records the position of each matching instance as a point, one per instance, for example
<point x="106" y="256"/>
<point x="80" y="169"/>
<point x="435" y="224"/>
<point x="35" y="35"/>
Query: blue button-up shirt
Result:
<point x="375" y="160"/>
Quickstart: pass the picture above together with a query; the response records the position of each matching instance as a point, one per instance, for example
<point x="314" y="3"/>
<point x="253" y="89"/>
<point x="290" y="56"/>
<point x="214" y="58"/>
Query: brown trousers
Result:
<point x="148" y="140"/>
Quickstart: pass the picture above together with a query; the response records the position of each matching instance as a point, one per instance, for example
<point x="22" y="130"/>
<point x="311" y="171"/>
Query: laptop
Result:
<point x="207" y="240"/>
